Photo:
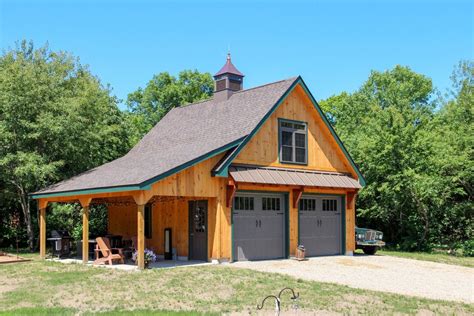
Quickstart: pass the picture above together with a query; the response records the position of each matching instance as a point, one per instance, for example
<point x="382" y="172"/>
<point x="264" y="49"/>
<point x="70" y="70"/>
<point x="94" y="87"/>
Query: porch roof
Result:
<point x="298" y="177"/>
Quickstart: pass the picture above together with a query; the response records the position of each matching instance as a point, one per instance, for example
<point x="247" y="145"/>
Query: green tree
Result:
<point x="383" y="125"/>
<point x="56" y="120"/>
<point x="452" y="136"/>
<point x="147" y="106"/>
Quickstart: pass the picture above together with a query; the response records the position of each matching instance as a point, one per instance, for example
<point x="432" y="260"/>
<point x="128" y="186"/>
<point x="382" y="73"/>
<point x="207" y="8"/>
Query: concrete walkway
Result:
<point x="160" y="264"/>
<point x="380" y="273"/>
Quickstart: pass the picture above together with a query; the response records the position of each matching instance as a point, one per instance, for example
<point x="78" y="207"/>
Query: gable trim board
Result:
<point x="222" y="170"/>
<point x="146" y="185"/>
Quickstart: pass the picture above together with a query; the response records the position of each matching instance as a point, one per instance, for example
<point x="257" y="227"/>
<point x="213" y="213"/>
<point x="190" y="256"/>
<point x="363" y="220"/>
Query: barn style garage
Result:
<point x="249" y="174"/>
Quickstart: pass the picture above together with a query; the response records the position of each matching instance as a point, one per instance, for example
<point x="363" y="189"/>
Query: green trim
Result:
<point x="193" y="162"/>
<point x="343" y="224"/>
<point x="222" y="171"/>
<point x="279" y="142"/>
<point x="287" y="225"/>
<point x="343" y="217"/>
<point x="89" y="191"/>
<point x="232" y="253"/>
<point x="146" y="185"/>
<point x="333" y="133"/>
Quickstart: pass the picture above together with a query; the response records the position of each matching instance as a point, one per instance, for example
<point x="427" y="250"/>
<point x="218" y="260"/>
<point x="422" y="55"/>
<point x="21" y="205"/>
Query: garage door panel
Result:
<point x="320" y="225"/>
<point x="260" y="233"/>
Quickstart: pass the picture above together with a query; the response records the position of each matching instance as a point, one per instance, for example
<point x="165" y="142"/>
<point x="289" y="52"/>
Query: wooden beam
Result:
<point x="297" y="193"/>
<point x="142" y="197"/>
<point x="141" y="236"/>
<point x="42" y="213"/>
<point x="230" y="192"/>
<point x="85" y="201"/>
<point x="85" y="233"/>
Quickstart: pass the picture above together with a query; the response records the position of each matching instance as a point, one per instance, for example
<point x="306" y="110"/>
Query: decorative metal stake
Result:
<point x="294" y="298"/>
<point x="277" y="304"/>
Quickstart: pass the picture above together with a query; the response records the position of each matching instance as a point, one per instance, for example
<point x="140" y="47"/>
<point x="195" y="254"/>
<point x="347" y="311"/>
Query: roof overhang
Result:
<point x="146" y="185"/>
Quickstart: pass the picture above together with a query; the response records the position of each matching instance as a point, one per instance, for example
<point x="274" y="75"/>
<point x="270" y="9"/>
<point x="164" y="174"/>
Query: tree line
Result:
<point x="413" y="144"/>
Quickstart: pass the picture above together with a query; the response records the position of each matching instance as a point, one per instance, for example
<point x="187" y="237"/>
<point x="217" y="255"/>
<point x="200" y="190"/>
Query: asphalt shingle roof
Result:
<point x="184" y="134"/>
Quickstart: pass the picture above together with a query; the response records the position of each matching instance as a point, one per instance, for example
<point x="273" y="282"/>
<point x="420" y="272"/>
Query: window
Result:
<point x="148" y="221"/>
<point x="243" y="203"/>
<point x="270" y="204"/>
<point x="330" y="205"/>
<point x="293" y="142"/>
<point x="307" y="204"/>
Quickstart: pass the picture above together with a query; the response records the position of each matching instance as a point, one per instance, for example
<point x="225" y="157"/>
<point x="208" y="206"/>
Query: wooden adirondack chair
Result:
<point x="103" y="245"/>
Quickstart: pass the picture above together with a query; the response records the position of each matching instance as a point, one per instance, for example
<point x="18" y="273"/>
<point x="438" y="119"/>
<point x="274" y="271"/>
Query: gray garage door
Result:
<point x="258" y="226"/>
<point x="320" y="225"/>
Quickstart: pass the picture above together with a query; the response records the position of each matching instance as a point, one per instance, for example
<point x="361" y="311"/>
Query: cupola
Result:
<point x="227" y="81"/>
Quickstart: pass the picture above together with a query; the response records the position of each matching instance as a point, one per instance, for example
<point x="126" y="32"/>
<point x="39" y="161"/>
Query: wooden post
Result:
<point x="85" y="202"/>
<point x="141" y="236"/>
<point x="141" y="198"/>
<point x="42" y="211"/>
<point x="85" y="234"/>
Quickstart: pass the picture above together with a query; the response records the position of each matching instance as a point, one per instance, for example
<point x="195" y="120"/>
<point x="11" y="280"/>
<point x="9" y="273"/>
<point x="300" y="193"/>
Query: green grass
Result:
<point x="50" y="288"/>
<point x="434" y="257"/>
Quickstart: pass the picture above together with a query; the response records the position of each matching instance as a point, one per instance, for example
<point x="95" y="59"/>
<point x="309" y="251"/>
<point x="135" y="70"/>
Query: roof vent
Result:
<point x="227" y="81"/>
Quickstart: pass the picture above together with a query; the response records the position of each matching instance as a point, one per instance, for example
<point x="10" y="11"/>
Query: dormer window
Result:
<point x="293" y="141"/>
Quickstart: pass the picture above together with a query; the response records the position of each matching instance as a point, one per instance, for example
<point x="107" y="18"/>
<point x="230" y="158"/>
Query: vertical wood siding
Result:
<point x="323" y="152"/>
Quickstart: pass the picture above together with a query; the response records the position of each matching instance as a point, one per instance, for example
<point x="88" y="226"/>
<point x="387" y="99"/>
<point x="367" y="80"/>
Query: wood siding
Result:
<point x="173" y="213"/>
<point x="323" y="152"/>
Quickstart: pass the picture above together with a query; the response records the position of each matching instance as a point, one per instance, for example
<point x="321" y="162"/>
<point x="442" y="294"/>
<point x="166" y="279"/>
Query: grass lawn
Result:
<point x="435" y="257"/>
<point x="49" y="288"/>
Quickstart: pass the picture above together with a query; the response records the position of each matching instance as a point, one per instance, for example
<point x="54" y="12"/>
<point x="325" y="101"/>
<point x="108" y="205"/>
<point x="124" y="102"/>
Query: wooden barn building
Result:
<point x="246" y="175"/>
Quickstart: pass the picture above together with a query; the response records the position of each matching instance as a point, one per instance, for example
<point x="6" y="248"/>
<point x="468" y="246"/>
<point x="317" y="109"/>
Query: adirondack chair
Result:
<point x="108" y="257"/>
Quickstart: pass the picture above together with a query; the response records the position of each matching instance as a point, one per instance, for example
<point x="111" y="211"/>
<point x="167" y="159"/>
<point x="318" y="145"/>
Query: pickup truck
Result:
<point x="368" y="240"/>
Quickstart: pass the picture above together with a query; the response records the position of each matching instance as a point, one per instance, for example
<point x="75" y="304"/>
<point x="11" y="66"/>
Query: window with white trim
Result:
<point x="293" y="142"/>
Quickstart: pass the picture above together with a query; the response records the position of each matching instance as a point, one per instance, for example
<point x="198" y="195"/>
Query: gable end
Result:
<point x="221" y="170"/>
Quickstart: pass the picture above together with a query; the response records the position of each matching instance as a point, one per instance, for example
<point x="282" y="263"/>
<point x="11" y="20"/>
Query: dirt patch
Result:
<point x="7" y="285"/>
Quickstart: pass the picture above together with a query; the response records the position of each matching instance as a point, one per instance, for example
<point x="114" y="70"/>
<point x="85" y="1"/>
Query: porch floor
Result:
<point x="161" y="264"/>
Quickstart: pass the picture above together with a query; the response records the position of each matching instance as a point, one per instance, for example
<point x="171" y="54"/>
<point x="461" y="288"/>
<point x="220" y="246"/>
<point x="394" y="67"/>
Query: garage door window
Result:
<point x="244" y="203"/>
<point x="308" y="204"/>
<point x="330" y="205"/>
<point x="270" y="204"/>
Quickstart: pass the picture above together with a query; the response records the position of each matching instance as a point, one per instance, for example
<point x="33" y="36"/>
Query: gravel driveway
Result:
<point x="380" y="273"/>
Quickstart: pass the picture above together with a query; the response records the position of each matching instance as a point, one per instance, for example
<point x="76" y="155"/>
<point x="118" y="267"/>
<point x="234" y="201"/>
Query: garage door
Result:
<point x="258" y="226"/>
<point x="320" y="225"/>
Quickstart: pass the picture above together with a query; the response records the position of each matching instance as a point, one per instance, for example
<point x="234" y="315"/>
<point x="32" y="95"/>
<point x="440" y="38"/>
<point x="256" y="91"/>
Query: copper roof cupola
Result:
<point x="227" y="81"/>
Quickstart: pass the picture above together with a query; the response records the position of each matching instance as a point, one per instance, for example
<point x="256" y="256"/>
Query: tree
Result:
<point x="452" y="136"/>
<point x="382" y="124"/>
<point x="163" y="92"/>
<point x="56" y="120"/>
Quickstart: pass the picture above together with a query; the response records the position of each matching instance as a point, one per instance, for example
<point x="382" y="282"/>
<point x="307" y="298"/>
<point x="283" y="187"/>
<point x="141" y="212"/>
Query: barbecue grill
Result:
<point x="60" y="242"/>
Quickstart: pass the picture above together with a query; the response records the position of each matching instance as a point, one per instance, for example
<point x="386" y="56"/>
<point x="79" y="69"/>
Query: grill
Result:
<point x="370" y="235"/>
<point x="60" y="242"/>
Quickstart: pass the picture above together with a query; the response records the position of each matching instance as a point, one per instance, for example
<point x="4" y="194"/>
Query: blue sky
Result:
<point x="333" y="45"/>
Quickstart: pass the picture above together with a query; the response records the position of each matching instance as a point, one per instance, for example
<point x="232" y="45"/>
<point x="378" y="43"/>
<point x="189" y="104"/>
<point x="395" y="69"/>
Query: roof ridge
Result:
<point x="266" y="84"/>
<point x="235" y="92"/>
